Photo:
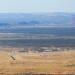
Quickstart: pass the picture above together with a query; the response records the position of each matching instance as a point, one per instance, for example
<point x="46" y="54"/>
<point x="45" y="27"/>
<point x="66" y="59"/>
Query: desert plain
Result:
<point x="14" y="62"/>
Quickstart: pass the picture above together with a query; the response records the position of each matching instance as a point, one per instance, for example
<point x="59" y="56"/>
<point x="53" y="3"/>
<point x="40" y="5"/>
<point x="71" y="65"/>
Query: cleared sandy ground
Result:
<point x="62" y="62"/>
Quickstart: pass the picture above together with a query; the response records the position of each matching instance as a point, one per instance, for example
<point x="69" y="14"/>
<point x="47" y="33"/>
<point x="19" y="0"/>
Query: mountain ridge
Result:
<point x="45" y="19"/>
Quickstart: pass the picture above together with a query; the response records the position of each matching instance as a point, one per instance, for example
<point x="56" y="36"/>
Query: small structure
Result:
<point x="12" y="57"/>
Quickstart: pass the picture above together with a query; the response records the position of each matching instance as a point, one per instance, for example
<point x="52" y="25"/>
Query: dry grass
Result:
<point x="47" y="63"/>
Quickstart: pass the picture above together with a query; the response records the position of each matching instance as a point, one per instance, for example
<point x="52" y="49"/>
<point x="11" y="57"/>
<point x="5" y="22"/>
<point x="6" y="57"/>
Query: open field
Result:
<point x="20" y="63"/>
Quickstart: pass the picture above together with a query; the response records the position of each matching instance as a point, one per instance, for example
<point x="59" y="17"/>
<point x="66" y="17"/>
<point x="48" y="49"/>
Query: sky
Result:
<point x="32" y="6"/>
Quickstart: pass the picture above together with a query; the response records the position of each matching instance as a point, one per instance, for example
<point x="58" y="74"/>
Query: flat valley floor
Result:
<point x="36" y="63"/>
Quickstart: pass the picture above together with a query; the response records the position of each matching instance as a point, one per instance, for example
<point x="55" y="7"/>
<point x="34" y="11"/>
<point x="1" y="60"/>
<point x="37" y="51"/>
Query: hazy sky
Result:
<point x="29" y="6"/>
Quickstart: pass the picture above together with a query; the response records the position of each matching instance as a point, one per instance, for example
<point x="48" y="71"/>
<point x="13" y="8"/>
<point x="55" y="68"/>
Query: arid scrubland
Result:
<point x="13" y="62"/>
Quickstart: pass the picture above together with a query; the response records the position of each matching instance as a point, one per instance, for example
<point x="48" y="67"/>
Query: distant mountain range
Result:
<point x="11" y="20"/>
